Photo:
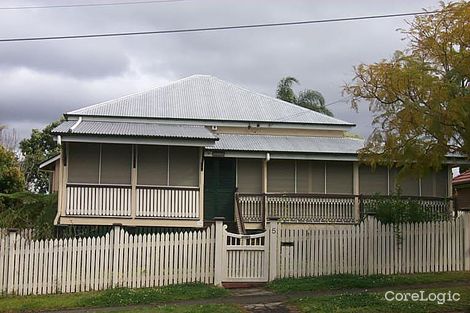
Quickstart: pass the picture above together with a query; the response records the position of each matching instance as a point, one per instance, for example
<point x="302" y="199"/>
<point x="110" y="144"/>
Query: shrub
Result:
<point x="397" y="209"/>
<point x="29" y="210"/>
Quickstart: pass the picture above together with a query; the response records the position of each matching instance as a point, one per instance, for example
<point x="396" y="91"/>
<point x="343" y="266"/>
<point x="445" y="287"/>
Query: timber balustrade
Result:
<point x="322" y="208"/>
<point x="168" y="202"/>
<point x="98" y="200"/>
<point x="116" y="201"/>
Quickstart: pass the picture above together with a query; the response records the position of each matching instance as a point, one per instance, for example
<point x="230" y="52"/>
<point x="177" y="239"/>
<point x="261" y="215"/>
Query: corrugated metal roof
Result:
<point x="462" y="178"/>
<point x="203" y="97"/>
<point x="134" y="129"/>
<point x="234" y="142"/>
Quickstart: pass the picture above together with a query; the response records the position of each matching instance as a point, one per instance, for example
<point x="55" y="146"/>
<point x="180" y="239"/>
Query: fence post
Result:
<point x="11" y="259"/>
<point x="273" y="230"/>
<point x="466" y="240"/>
<point x="219" y="251"/>
<point x="116" y="244"/>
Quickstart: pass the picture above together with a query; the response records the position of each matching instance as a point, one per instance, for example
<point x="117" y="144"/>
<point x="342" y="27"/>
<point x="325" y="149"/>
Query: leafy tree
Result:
<point x="308" y="98"/>
<point x="39" y="147"/>
<point x="284" y="89"/>
<point x="11" y="177"/>
<point x="30" y="210"/>
<point x="8" y="138"/>
<point x="420" y="98"/>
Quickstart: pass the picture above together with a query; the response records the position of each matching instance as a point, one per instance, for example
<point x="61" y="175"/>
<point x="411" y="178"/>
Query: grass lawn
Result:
<point x="337" y="282"/>
<point x="111" y="297"/>
<point x="206" y="308"/>
<point x="375" y="302"/>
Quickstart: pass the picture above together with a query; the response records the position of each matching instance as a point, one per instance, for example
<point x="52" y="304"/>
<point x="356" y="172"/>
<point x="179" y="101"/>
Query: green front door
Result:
<point x="219" y="188"/>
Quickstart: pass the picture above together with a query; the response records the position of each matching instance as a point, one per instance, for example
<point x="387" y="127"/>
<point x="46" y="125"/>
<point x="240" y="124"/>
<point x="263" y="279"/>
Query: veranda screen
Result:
<point x="167" y="166"/>
<point x="249" y="175"/>
<point x="83" y="163"/>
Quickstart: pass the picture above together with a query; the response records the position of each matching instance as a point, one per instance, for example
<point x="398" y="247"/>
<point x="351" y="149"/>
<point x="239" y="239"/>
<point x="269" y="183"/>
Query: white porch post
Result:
<point x="201" y="186"/>
<point x="450" y="191"/>
<point x="219" y="251"/>
<point x="63" y="177"/>
<point x="134" y="182"/>
<point x="60" y="187"/>
<point x="264" y="189"/>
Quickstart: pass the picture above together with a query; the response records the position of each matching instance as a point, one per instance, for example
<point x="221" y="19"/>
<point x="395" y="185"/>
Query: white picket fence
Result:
<point x="214" y="255"/>
<point x="27" y="233"/>
<point x="373" y="248"/>
<point x="114" y="260"/>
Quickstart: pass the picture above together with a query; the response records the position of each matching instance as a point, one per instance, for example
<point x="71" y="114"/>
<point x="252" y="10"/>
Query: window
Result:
<point x="83" y="163"/>
<point x="428" y="185"/>
<point x="310" y="176"/>
<point x="408" y="186"/>
<point x="250" y="178"/>
<point x="152" y="165"/>
<point x="167" y="166"/>
<point x="112" y="164"/>
<point x="92" y="163"/>
<point x="116" y="164"/>
<point x="442" y="181"/>
<point x="339" y="177"/>
<point x="184" y="166"/>
<point x="373" y="181"/>
<point x="281" y="176"/>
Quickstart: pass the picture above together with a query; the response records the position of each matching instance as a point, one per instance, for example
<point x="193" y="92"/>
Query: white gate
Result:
<point x="245" y="257"/>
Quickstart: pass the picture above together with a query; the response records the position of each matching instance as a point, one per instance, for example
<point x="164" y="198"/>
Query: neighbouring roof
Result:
<point x="235" y="142"/>
<point x="48" y="165"/>
<point x="204" y="97"/>
<point x="463" y="178"/>
<point x="134" y="129"/>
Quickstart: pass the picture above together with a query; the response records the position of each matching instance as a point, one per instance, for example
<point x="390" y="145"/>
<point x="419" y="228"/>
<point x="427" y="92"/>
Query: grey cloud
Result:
<point x="82" y="60"/>
<point x="41" y="80"/>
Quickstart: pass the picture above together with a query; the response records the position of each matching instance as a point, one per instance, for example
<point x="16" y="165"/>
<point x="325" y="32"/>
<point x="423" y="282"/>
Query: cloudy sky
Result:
<point x="41" y="80"/>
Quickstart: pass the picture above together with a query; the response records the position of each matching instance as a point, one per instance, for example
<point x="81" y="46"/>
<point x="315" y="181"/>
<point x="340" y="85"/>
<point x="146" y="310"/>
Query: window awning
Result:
<point x="131" y="132"/>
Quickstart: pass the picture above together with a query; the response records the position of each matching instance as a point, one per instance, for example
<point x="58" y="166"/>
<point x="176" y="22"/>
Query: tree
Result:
<point x="11" y="177"/>
<point x="39" y="147"/>
<point x="8" y="138"/>
<point x="310" y="99"/>
<point x="420" y="98"/>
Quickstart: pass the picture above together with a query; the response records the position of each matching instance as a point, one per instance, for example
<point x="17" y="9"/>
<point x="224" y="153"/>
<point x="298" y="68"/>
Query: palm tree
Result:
<point x="309" y="98"/>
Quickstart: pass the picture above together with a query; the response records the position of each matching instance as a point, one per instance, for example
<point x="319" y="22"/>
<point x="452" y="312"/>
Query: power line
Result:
<point x="337" y="101"/>
<point x="216" y="28"/>
<point x="59" y="6"/>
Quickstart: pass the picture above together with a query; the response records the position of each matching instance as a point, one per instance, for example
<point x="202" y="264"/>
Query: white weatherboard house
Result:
<point x="199" y="148"/>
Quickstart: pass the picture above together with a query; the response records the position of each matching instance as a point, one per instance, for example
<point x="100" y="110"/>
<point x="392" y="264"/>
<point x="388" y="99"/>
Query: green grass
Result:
<point x="336" y="282"/>
<point x="110" y="297"/>
<point x="375" y="302"/>
<point x="204" y="308"/>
